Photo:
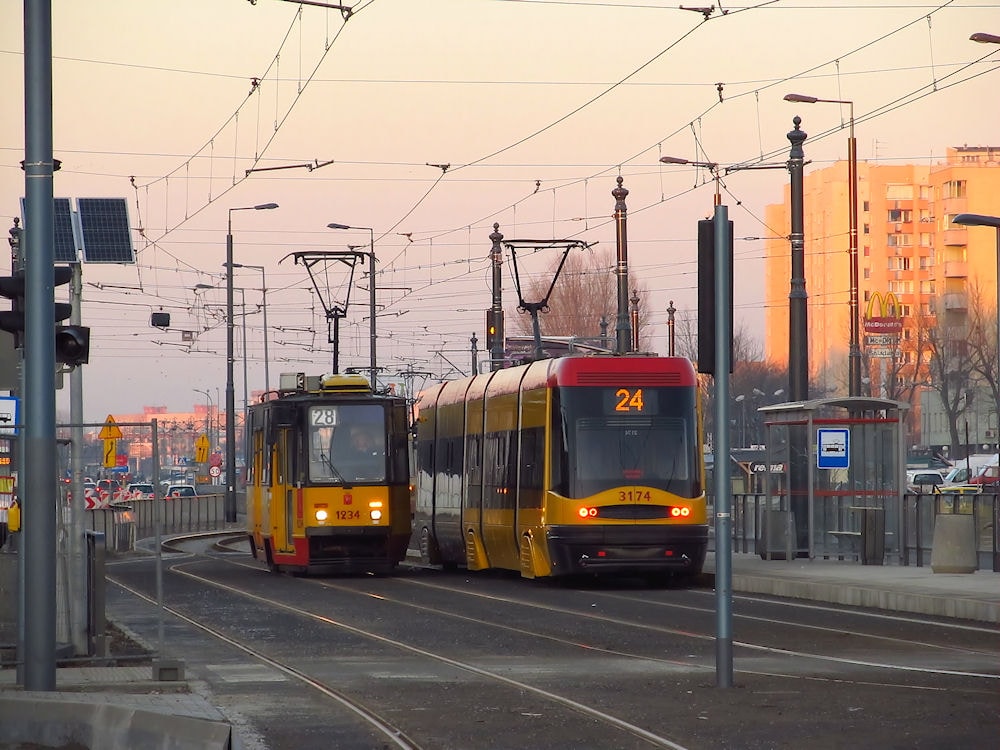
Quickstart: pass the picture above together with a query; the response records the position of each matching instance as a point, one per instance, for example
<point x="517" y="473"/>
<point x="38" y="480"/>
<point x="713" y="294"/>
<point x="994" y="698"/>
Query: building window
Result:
<point x="865" y="206"/>
<point x="927" y="287"/>
<point x="899" y="192"/>
<point x="954" y="189"/>
<point x="867" y="229"/>
<point x="899" y="240"/>
<point x="904" y="215"/>
<point x="899" y="264"/>
<point x="868" y="273"/>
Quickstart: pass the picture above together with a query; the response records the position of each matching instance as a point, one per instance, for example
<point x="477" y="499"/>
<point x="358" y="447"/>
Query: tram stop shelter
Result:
<point x="839" y="491"/>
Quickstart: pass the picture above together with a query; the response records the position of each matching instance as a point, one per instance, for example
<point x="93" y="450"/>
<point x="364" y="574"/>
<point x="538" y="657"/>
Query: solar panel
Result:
<point x="65" y="246"/>
<point x="64" y="250"/>
<point x="106" y="234"/>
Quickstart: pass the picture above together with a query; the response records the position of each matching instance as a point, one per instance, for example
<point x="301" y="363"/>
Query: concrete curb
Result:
<point x="98" y="722"/>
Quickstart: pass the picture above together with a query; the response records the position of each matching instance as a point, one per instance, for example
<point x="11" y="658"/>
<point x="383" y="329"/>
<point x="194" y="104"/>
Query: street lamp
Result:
<point x="854" y="359"/>
<point x="742" y="400"/>
<point x="263" y="307"/>
<point x="230" y="391"/>
<point x="371" y="295"/>
<point x="978" y="220"/>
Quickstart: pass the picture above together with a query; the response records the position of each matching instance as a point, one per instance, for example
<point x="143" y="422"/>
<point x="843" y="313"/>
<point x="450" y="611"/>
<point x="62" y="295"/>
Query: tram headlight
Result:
<point x="679" y="512"/>
<point x="587" y="512"/>
<point x="321" y="515"/>
<point x="375" y="509"/>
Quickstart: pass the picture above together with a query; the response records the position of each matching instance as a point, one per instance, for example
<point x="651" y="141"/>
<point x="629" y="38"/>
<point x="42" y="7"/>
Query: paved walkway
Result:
<point x="896" y="588"/>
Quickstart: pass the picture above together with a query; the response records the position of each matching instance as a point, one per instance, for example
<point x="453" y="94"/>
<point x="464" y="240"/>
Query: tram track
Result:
<point x="889" y="640"/>
<point x="370" y="715"/>
<point x="617" y="621"/>
<point x="545" y="649"/>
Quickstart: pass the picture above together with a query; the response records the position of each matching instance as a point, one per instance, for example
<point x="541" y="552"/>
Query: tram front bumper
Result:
<point x="579" y="549"/>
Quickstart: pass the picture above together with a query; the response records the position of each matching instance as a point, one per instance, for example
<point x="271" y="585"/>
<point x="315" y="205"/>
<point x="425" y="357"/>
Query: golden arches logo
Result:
<point x="884" y="314"/>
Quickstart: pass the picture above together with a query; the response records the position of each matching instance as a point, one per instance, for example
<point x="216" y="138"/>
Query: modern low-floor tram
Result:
<point x="585" y="464"/>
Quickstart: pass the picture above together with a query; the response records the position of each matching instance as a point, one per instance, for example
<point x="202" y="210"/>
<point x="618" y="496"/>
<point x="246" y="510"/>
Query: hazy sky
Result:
<point x="536" y="105"/>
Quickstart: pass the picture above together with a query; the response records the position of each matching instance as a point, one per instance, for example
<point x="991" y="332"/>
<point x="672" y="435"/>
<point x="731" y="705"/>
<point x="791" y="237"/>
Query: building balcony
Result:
<point x="956" y="269"/>
<point x="956" y="301"/>
<point x="955" y="236"/>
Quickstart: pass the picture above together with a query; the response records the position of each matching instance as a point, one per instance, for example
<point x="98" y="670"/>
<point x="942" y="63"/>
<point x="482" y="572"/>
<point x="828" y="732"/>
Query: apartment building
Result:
<point x="908" y="247"/>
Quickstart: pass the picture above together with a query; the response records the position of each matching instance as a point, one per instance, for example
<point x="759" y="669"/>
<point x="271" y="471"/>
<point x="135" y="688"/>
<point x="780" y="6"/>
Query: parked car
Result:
<point x="987" y="478"/>
<point x="923" y="481"/>
<point x="181" y="490"/>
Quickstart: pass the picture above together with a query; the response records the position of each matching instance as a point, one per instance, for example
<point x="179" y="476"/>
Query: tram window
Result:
<point x="347" y="443"/>
<point x="654" y="452"/>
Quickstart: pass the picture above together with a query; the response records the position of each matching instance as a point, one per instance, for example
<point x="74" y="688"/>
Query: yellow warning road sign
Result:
<point x="201" y="449"/>
<point x="110" y="431"/>
<point x="109" y="453"/>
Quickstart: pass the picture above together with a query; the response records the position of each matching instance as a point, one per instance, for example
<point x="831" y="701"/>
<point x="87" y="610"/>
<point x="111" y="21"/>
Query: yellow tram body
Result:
<point x="328" y="483"/>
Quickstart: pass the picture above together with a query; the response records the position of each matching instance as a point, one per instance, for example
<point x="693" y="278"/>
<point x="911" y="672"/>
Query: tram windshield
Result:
<point x="613" y="437"/>
<point x="347" y="443"/>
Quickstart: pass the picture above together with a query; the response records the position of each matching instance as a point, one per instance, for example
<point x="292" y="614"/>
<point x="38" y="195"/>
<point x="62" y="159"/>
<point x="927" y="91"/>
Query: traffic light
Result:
<point x="72" y="343"/>
<point x="12" y="321"/>
<point x="706" y="297"/>
<point x="494" y="328"/>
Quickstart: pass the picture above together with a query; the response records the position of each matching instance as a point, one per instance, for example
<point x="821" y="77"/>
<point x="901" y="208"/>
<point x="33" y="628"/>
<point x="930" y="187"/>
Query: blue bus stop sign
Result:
<point x="833" y="448"/>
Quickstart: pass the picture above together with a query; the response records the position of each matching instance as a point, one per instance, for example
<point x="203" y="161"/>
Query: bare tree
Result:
<point x="585" y="294"/>
<point x="982" y="341"/>
<point x="951" y="367"/>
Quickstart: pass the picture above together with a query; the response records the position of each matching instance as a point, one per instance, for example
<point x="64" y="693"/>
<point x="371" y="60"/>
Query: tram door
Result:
<point x="284" y="522"/>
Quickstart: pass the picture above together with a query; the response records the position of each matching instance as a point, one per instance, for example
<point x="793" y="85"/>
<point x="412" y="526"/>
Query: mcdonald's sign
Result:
<point x="883" y="315"/>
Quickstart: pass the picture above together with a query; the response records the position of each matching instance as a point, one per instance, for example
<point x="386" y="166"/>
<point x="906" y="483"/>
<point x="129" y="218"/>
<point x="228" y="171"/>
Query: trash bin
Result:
<point x="775" y="535"/>
<point x="872" y="536"/>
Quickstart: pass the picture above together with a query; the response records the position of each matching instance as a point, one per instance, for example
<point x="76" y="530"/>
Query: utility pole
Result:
<point x="798" y="327"/>
<point x="621" y="267"/>
<point x="496" y="259"/>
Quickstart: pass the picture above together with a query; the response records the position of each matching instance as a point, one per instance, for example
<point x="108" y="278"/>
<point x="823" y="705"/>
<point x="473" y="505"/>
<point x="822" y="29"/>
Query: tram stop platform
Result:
<point x="904" y="589"/>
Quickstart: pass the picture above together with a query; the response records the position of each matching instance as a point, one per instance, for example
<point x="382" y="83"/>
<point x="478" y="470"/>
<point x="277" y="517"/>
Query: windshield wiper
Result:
<point x="333" y="469"/>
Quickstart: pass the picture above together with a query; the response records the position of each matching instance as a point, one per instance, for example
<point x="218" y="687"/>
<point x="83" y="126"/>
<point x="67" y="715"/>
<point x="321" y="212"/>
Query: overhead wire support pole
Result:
<point x="854" y="351"/>
<point x="39" y="536"/>
<point x="798" y="331"/>
<point x="622" y="335"/>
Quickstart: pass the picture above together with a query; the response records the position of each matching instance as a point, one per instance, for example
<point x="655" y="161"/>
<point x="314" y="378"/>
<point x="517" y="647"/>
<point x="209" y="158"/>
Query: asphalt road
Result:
<point x="460" y="660"/>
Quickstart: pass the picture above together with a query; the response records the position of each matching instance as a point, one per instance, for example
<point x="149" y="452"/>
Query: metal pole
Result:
<point x="496" y="256"/>
<point x="634" y="318"/>
<point x="621" y="267"/>
<point x="230" y="505"/>
<point x="670" y="328"/>
<point x="39" y="533"/>
<point x="854" y="363"/>
<point x="267" y="359"/>
<point x="475" y="354"/>
<point x="77" y="572"/>
<point x="798" y="331"/>
<point x="371" y="308"/>
<point x="723" y="486"/>
<point x="243" y="308"/>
